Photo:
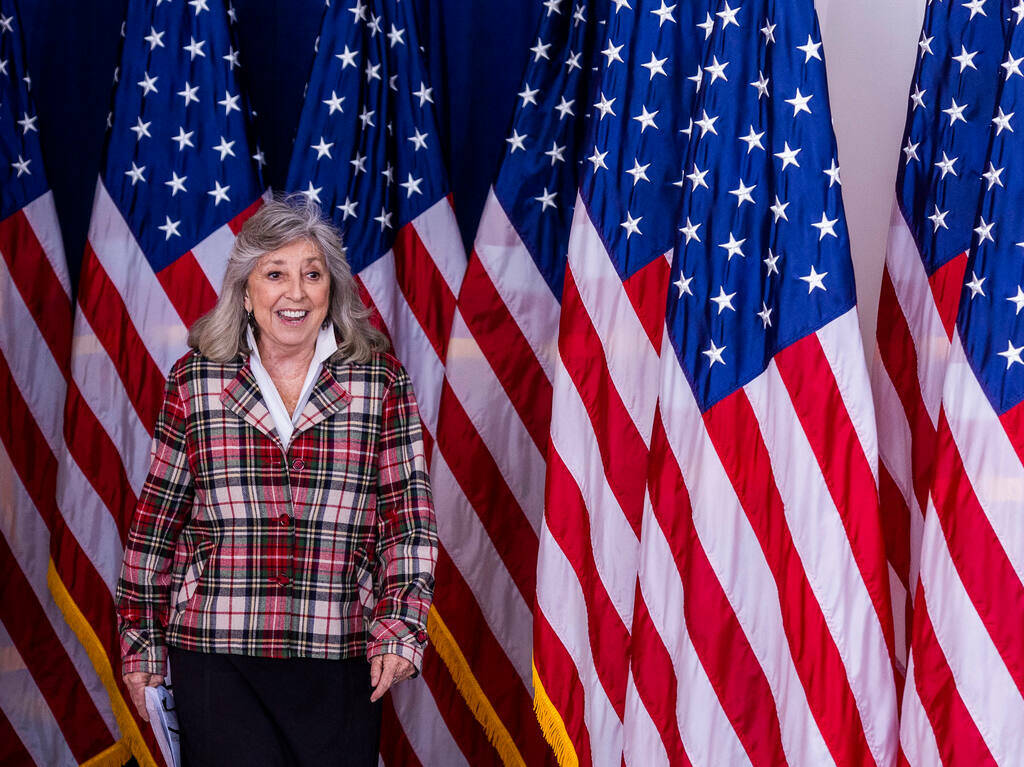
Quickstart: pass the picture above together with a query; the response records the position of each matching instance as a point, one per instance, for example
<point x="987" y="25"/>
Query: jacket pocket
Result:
<point x="190" y="582"/>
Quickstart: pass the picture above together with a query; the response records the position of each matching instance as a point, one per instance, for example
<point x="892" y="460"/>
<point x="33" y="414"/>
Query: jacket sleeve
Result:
<point x="165" y="502"/>
<point x="406" y="531"/>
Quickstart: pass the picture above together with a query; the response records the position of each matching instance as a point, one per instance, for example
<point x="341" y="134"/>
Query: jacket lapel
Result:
<point x="242" y="397"/>
<point x="326" y="399"/>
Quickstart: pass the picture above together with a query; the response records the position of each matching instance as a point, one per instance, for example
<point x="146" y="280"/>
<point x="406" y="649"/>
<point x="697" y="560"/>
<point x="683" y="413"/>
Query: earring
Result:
<point x="251" y="318"/>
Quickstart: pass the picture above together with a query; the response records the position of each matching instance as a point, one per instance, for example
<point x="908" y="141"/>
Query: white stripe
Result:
<point x="898" y="593"/>
<point x="32" y="366"/>
<point x="151" y="311"/>
<point x="496" y="421"/>
<point x="439" y="233"/>
<point x="412" y="346"/>
<point x="42" y="217"/>
<point x="708" y="735"/>
<point x="26" y="709"/>
<point x="560" y="599"/>
<point x="520" y="284"/>
<point x="212" y="255"/>
<point x="29" y="540"/>
<point x="632" y="360"/>
<point x="642" y="745"/>
<point x="917" y="739"/>
<point x="468" y="544"/>
<point x="426" y="730"/>
<point x="982" y="679"/>
<point x="823" y="547"/>
<point x="988" y="456"/>
<point x="735" y="555"/>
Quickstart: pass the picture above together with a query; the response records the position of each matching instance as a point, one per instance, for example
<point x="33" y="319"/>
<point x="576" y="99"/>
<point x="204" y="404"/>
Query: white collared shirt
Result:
<point x="284" y="423"/>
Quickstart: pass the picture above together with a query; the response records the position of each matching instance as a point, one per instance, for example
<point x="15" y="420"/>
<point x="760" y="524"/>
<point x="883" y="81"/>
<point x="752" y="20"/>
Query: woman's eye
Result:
<point x="314" y="275"/>
<point x="273" y="275"/>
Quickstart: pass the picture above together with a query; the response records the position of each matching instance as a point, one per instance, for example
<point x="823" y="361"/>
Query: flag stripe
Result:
<point x="917" y="740"/>
<point x="642" y="743"/>
<point x="946" y="284"/>
<point x="12" y="751"/>
<point x="458" y="719"/>
<point x="424" y="287"/>
<point x="430" y="739"/>
<point x="185" y="284"/>
<point x="395" y="749"/>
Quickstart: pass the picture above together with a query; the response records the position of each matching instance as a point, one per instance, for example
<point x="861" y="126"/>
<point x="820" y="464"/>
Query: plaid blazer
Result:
<point x="326" y="550"/>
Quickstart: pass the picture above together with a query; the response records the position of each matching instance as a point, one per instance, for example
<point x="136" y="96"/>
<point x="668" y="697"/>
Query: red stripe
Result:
<point x="569" y="524"/>
<point x="103" y="307"/>
<point x="561" y="682"/>
<point x="895" y="525"/>
<point x="395" y="749"/>
<point x="48" y="662"/>
<point x="981" y="562"/>
<point x="12" y="751"/>
<point x="957" y="735"/>
<point x="375" y="319"/>
<point x="734" y="430"/>
<point x="647" y="290"/>
<point x="507" y="351"/>
<point x="825" y="420"/>
<point x="235" y="224"/>
<point x="623" y="451"/>
<point x="485" y="488"/>
<point x="1013" y="425"/>
<point x="38" y="284"/>
<point x="718" y="638"/>
<point x="424" y="287"/>
<point x="188" y="288"/>
<point x="946" y="283"/>
<point x="655" y="680"/>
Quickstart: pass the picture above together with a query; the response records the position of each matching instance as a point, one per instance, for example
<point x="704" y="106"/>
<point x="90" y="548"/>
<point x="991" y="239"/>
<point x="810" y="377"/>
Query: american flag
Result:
<point x="179" y="177"/>
<point x="368" y="151"/>
<point x="964" y="698"/>
<point x="940" y="177"/>
<point x="54" y="709"/>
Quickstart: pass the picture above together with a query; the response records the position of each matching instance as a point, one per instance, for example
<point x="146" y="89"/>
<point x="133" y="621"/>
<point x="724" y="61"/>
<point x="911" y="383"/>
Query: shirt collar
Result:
<point x="326" y="345"/>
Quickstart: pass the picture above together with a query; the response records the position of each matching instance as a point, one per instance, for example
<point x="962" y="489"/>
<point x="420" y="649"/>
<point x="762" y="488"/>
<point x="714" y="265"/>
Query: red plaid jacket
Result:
<point x="324" y="551"/>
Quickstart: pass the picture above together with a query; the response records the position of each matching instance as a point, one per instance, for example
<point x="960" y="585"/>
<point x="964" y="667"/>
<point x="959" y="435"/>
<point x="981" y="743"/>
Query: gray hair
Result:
<point x="219" y="334"/>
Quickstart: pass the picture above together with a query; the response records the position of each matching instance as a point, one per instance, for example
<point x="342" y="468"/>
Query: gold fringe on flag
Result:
<point x="552" y="725"/>
<point x="131" y="743"/>
<point x="469" y="689"/>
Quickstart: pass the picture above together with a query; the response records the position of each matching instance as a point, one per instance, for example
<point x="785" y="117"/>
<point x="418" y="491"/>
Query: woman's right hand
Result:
<point x="137" y="682"/>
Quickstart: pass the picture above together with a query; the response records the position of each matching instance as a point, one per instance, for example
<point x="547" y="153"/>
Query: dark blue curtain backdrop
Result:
<point x="476" y="50"/>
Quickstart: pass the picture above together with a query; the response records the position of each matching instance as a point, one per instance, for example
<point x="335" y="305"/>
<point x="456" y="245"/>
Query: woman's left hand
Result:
<point x="386" y="670"/>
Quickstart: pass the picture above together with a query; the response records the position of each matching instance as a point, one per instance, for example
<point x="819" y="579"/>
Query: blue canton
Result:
<point x="22" y="178"/>
<point x="367" y="149"/>
<point x="989" y="321"/>
<point x="946" y="143"/>
<point x="178" y="162"/>
<point x="764" y="256"/>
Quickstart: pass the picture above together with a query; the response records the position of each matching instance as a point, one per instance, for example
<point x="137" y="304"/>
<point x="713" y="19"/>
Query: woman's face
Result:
<point x="289" y="295"/>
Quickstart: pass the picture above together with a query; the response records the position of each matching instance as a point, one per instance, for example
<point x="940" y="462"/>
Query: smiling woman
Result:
<point x="287" y="511"/>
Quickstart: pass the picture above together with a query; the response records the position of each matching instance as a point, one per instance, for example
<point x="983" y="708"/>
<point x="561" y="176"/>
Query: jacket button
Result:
<point x="284" y="520"/>
<point x="298" y="465"/>
<point x="421" y="636"/>
<point x="281" y="579"/>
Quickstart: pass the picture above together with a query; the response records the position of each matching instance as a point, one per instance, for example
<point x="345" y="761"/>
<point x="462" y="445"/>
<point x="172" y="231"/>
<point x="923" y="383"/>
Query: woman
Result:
<point x="286" y="530"/>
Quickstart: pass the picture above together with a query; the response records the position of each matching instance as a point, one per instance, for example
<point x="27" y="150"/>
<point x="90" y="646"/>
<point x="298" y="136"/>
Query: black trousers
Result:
<point x="299" y="712"/>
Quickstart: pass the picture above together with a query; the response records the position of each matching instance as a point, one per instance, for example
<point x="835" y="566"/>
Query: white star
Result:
<point x="424" y="94"/>
<point x="258" y="156"/>
<point x="733" y="247"/>
<point x="155" y="39"/>
<point x="975" y="7"/>
<point x="925" y="45"/>
<point x="728" y="16"/>
<point x="323" y="149"/>
<point x="697" y="79"/>
<point x="965" y="59"/>
<point x="768" y="30"/>
<point x="540" y="50"/>
<point x="348" y="58"/>
<point x="374" y="25"/>
<point x="716" y="70"/>
<point x="815" y="280"/>
<point x="992" y="175"/>
<point x="1012" y="66"/>
<point x="579" y="15"/>
<point x="1019" y="10"/>
<point x="135" y="174"/>
<point x="334" y="103"/>
<point x="411" y="186"/>
<point x="515" y="141"/>
<point x="645" y="118"/>
<point x="638" y="171"/>
<point x="826" y="227"/>
<point x="753" y="140"/>
<point x="620" y="4"/>
<point x="573" y="61"/>
<point x="723" y="300"/>
<point x="28" y="123"/>
<point x="547" y="200"/>
<point x="946" y="165"/>
<point x="910" y="150"/>
<point x="955" y="112"/>
<point x="419" y="140"/>
<point x="917" y="97"/>
<point x="779" y="209"/>
<point x="366" y="117"/>
<point x="231" y="13"/>
<point x="683" y="284"/>
<point x="1002" y="121"/>
<point x="1017" y="300"/>
<point x="170" y="228"/>
<point x="348" y="209"/>
<point x="556" y="153"/>
<point x="833" y="174"/>
<point x="141" y="129"/>
<point x="799" y="103"/>
<point x="199" y="5"/>
<point x="611" y="52"/>
<point x="984" y="231"/>
<point x="743" y="195"/>
<point x="389" y="174"/>
<point x="761" y="83"/>
<point x="372" y="72"/>
<point x="690" y="231"/>
<point x="184" y="139"/>
<point x="358" y="163"/>
<point x="3" y="69"/>
<point x="664" y="13"/>
<point x="631" y="225"/>
<point x="552" y="6"/>
<point x="605" y="106"/>
<point x="231" y="57"/>
<point x="148" y="84"/>
<point x="22" y="167"/>
<point x="1012" y="354"/>
<point x="597" y="160"/>
<point x="765" y="314"/>
<point x="194" y="48"/>
<point x="772" y="262"/>
<point x="189" y="93"/>
<point x="564" y="108"/>
<point x="384" y="219"/>
<point x="788" y="156"/>
<point x="697" y="177"/>
<point x="177" y="183"/>
<point x="528" y="95"/>
<point x="707" y="124"/>
<point x="655" y="66"/>
<point x="714" y="354"/>
<point x="708" y="26"/>
<point x="938" y="219"/>
<point x="220" y="193"/>
<point x="395" y="36"/>
<point x="224" y="147"/>
<point x="975" y="285"/>
<point x="812" y="50"/>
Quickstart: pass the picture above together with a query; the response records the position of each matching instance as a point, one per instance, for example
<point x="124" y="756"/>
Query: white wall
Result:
<point x="870" y="50"/>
